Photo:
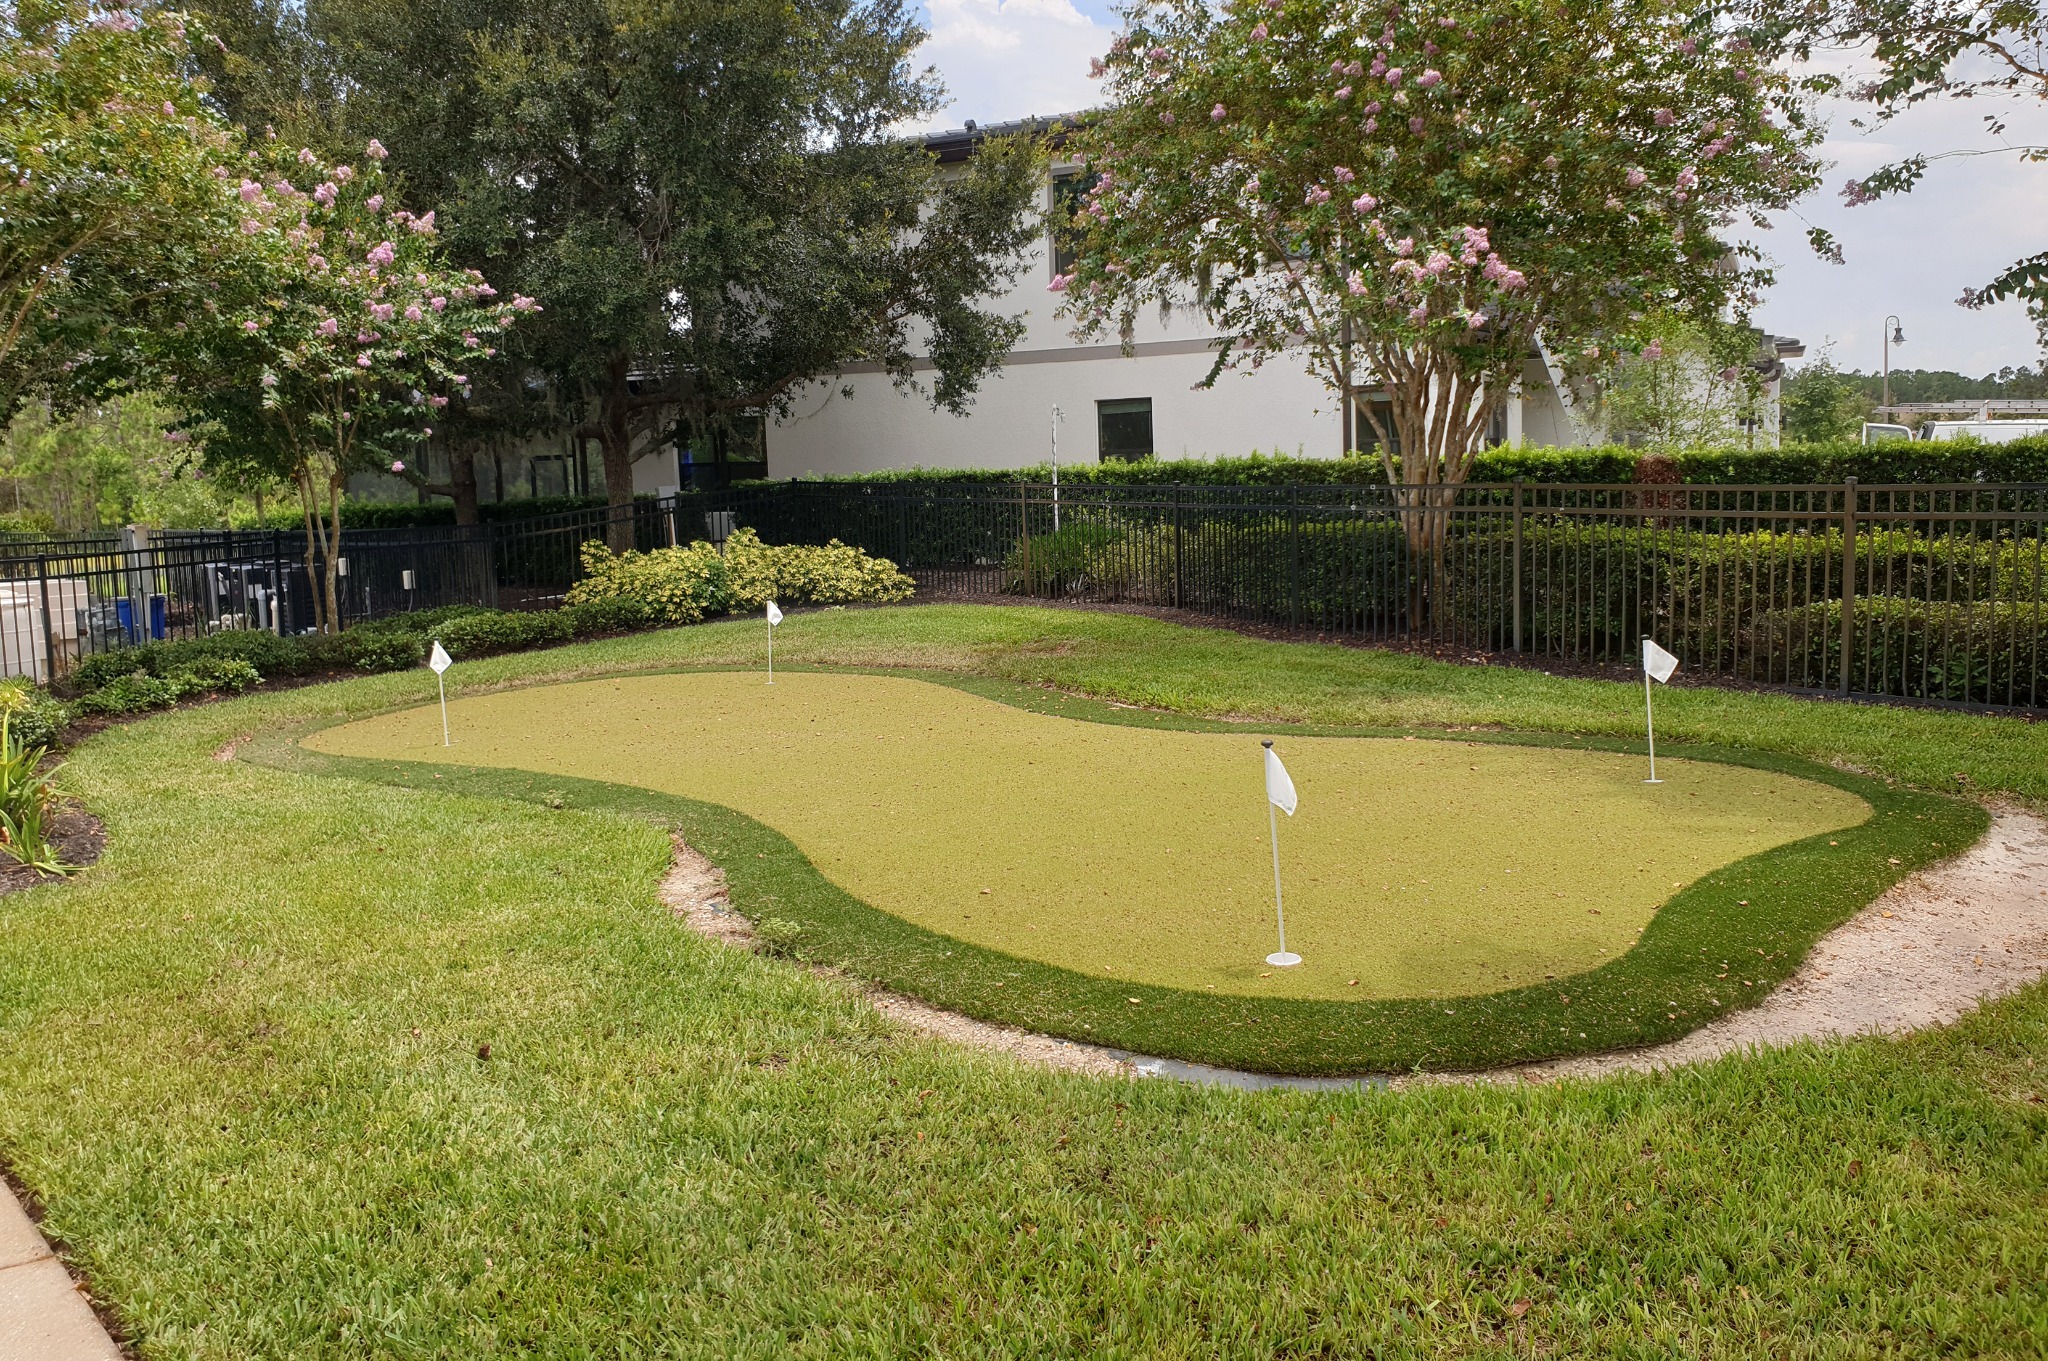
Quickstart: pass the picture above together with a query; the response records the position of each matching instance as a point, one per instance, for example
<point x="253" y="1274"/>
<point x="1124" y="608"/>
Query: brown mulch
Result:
<point x="79" y="838"/>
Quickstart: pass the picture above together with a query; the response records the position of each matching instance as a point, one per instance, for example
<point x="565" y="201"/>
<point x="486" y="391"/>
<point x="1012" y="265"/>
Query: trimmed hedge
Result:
<point x="685" y="584"/>
<point x="1914" y="461"/>
<point x="407" y="514"/>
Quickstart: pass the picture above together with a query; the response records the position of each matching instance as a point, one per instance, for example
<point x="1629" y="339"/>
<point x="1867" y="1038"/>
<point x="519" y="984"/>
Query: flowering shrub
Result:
<point x="685" y="585"/>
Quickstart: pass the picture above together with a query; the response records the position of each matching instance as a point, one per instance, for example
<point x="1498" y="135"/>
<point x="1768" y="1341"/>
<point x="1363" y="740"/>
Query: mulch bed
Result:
<point x="79" y="838"/>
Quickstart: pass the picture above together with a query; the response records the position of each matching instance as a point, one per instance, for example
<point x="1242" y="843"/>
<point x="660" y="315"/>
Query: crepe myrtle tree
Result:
<point x="110" y="221"/>
<point x="337" y="351"/>
<point x="1414" y="195"/>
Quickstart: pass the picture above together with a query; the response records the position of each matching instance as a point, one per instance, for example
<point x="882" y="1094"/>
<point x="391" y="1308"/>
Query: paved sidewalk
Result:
<point x="42" y="1315"/>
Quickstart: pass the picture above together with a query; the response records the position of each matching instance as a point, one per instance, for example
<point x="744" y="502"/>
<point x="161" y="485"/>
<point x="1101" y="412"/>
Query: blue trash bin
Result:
<point x="159" y="617"/>
<point x="124" y="617"/>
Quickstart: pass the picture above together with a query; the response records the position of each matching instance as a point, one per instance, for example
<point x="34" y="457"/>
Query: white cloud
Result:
<point x="1005" y="59"/>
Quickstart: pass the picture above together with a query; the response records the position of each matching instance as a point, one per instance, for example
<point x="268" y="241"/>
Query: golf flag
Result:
<point x="1279" y="788"/>
<point x="1279" y="794"/>
<point x="440" y="661"/>
<point x="774" y="614"/>
<point x="774" y="618"/>
<point x="1659" y="666"/>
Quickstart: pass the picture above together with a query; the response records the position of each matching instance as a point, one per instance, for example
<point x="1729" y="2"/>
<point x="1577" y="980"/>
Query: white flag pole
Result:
<point x="1280" y="959"/>
<point x="440" y="661"/>
<point x="1658" y="665"/>
<point x="774" y="618"/>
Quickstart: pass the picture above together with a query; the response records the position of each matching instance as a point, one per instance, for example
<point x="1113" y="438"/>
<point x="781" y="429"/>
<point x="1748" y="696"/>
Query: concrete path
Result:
<point x="43" y="1317"/>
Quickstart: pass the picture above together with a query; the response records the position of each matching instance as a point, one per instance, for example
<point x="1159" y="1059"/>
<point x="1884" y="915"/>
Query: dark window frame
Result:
<point x="1124" y="407"/>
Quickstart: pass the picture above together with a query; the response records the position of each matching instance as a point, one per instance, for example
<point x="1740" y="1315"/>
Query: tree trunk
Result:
<point x="615" y="437"/>
<point x="309" y="520"/>
<point x="334" y="482"/>
<point x="461" y="484"/>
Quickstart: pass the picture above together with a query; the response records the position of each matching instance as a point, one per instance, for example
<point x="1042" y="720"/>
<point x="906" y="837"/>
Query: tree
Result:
<point x="1819" y="402"/>
<point x="712" y="199"/>
<point x="1420" y="196"/>
<point x="1922" y="50"/>
<point x="112" y="220"/>
<point x="1689" y="384"/>
<point x="336" y="347"/>
<point x="109" y="463"/>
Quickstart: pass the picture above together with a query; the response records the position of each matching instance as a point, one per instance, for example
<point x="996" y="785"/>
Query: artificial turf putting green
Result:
<point x="1432" y="868"/>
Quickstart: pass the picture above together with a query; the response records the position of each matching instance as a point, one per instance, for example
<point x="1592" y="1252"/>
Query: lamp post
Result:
<point x="1894" y="335"/>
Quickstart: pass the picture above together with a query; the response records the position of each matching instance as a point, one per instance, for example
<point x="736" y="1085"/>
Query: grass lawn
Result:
<point x="242" y="1068"/>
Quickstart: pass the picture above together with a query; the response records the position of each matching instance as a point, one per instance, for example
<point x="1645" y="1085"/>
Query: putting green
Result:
<point x="1420" y="868"/>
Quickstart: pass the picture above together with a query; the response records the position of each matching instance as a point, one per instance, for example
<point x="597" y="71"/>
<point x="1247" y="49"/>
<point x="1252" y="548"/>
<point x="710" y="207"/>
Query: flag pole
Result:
<point x="1280" y="959"/>
<point x="771" y="652"/>
<point x="1650" y="726"/>
<point x="442" y="681"/>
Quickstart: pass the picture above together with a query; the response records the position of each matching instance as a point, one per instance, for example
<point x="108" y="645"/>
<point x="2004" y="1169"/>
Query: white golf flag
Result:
<point x="774" y="614"/>
<point x="1279" y="788"/>
<point x="439" y="658"/>
<point x="1657" y="663"/>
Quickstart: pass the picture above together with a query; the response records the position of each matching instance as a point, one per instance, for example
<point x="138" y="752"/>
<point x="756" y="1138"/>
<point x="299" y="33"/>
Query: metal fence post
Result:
<point x="1518" y="564"/>
<point x="49" y="634"/>
<point x="1179" y="560"/>
<point x="1024" y="531"/>
<point x="1848" y="577"/>
<point x="1293" y="557"/>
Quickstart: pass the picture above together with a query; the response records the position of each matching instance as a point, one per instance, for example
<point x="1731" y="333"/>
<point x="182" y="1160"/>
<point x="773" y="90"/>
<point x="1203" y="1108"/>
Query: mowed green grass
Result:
<point x="239" y="1066"/>
<point x="1144" y="855"/>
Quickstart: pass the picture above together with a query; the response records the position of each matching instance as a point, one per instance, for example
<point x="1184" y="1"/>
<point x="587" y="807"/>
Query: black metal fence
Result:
<point x="1909" y="592"/>
<point x="1905" y="592"/>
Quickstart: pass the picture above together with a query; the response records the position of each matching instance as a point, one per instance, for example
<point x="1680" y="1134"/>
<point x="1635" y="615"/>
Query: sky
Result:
<point x="1911" y="256"/>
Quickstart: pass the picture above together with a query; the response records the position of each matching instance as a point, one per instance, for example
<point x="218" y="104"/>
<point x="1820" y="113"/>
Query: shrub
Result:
<point x="369" y="649"/>
<point x="268" y="653"/>
<point x="1964" y="653"/>
<point x="28" y="790"/>
<point x="478" y="635"/>
<point x="1084" y="558"/>
<point x="618" y="614"/>
<point x="140" y="690"/>
<point x="684" y="585"/>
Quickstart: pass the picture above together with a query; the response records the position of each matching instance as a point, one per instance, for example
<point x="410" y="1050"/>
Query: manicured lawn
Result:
<point x="241" y="1067"/>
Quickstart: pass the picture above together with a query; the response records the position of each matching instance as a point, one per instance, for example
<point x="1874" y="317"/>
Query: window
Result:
<point x="725" y="451"/>
<point x="1069" y="193"/>
<point x="1124" y="428"/>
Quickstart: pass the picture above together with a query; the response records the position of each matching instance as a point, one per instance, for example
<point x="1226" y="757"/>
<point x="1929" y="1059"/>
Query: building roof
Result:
<point x="957" y="144"/>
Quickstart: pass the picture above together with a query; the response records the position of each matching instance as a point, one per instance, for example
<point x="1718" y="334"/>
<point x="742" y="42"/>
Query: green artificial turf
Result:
<point x="1719" y="945"/>
<point x="1143" y="855"/>
<point x="240" y="1069"/>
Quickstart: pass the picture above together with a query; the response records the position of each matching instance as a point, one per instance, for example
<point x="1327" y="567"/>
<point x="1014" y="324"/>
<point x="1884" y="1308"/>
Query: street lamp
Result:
<point x="1895" y="336"/>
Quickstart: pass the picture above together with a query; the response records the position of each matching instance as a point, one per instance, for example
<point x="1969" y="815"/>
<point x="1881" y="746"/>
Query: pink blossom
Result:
<point x="250" y="326"/>
<point x="469" y="339"/>
<point x="1438" y="262"/>
<point x="1394" y="76"/>
<point x="1343" y="93"/>
<point x="375" y="203"/>
<point x="1342" y="174"/>
<point x="381" y="310"/>
<point x="1428" y="79"/>
<point x="1419" y="313"/>
<point x="362" y="361"/>
<point x="306" y="156"/>
<point x="364" y="337"/>
<point x="343" y="174"/>
<point x="1355" y="69"/>
<point x="329" y="327"/>
<point x="1337" y="67"/>
<point x="1058" y="285"/>
<point x="325" y="193"/>
<point x="1855" y="195"/>
<point x="458" y="378"/>
<point x="1370" y="126"/>
<point x="1730" y="374"/>
<point x="1374" y="107"/>
<point x="316" y="262"/>
<point x="522" y="303"/>
<point x="438" y="303"/>
<point x="1167" y="118"/>
<point x="1689" y="47"/>
<point x="437" y="402"/>
<point x="1405" y="246"/>
<point x="1096" y="70"/>
<point x="250" y="226"/>
<point x="1158" y="54"/>
<point x="1687" y="178"/>
<point x="1364" y="204"/>
<point x="1475" y="320"/>
<point x="1636" y="178"/>
<point x="1317" y="194"/>
<point x="1218" y="114"/>
<point x="1512" y="279"/>
<point x="1475" y="238"/>
<point x="413" y="313"/>
<point x="1653" y="350"/>
<point x="383" y="255"/>
<point x="1378" y="67"/>
<point x="1665" y="118"/>
<point x="398" y="465"/>
<point x="120" y="21"/>
<point x="177" y="436"/>
<point x="375" y="150"/>
<point x="1415" y="126"/>
<point x="1259" y="33"/>
<point x="1355" y="281"/>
